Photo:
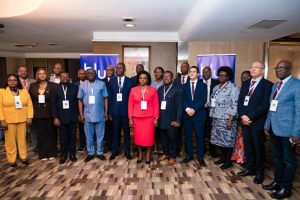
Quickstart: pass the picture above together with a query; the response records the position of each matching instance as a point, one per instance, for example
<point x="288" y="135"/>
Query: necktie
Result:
<point x="25" y="84"/>
<point x="208" y="91"/>
<point x="251" y="88"/>
<point x="120" y="82"/>
<point x="277" y="90"/>
<point x="193" y="90"/>
<point x="182" y="80"/>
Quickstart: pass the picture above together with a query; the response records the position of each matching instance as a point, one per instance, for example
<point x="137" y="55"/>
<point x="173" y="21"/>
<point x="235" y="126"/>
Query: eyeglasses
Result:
<point x="12" y="80"/>
<point x="256" y="68"/>
<point x="280" y="68"/>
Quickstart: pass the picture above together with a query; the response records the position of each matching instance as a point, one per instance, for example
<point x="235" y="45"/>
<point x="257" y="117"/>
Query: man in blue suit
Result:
<point x="194" y="116"/>
<point x="65" y="113"/>
<point x="283" y="126"/>
<point x="119" y="89"/>
<point x="253" y="106"/>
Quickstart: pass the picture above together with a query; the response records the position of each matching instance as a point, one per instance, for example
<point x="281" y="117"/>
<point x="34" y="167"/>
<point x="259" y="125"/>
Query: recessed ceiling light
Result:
<point x="128" y="19"/>
<point x="52" y="44"/>
<point x="130" y="25"/>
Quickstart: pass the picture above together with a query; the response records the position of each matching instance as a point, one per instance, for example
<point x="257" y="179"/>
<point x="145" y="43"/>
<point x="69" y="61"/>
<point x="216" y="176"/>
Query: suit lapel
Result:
<point x="284" y="88"/>
<point x="258" y="87"/>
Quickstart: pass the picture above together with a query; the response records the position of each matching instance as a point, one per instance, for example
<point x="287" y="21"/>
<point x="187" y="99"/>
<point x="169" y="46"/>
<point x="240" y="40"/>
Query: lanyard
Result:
<point x="120" y="85"/>
<point x="165" y="93"/>
<point x="92" y="88"/>
<point x="219" y="90"/>
<point x="15" y="93"/>
<point x="65" y="91"/>
<point x="143" y="93"/>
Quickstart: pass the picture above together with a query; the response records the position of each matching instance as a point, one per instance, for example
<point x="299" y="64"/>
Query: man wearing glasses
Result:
<point x="92" y="105"/>
<point x="283" y="126"/>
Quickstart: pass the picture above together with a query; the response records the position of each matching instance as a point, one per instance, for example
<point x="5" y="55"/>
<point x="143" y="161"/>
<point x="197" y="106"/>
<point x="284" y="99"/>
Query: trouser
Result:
<point x="82" y="139"/>
<point x="119" y="123"/>
<point x="108" y="135"/>
<point x="226" y="153"/>
<point x="207" y="132"/>
<point x="68" y="139"/>
<point x="33" y="136"/>
<point x="169" y="140"/>
<point x="15" y="132"/>
<point x="90" y="128"/>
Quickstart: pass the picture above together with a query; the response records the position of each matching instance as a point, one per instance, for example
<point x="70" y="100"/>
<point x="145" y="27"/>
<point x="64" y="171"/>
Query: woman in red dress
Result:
<point x="143" y="113"/>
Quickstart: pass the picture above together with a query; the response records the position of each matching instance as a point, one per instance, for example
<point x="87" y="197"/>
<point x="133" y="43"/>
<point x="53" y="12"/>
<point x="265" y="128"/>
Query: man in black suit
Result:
<point x="118" y="90"/>
<point x="210" y="84"/>
<point x="108" y="135"/>
<point x="194" y="116"/>
<point x="253" y="106"/>
<point x="82" y="140"/>
<point x="170" y="99"/>
<point x="65" y="114"/>
<point x="138" y="68"/>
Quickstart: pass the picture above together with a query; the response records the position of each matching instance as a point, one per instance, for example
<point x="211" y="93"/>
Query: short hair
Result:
<point x="159" y="67"/>
<point x="186" y="64"/>
<point x="195" y="67"/>
<point x="169" y="72"/>
<point x="246" y="72"/>
<point x="140" y="65"/>
<point x="147" y="74"/>
<point x="80" y="70"/>
<point x="227" y="70"/>
<point x="19" y="84"/>
<point x="207" y="67"/>
<point x="122" y="64"/>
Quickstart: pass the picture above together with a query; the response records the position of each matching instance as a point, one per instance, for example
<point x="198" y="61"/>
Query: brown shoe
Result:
<point x="171" y="162"/>
<point x="162" y="158"/>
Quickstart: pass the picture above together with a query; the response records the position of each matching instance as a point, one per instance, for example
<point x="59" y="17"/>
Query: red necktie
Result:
<point x="25" y="84"/>
<point x="182" y="80"/>
<point x="193" y="90"/>
<point x="277" y="90"/>
<point x="251" y="88"/>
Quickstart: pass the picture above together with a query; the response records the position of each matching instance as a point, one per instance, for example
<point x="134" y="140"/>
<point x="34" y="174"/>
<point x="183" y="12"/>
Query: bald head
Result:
<point x="110" y="71"/>
<point x="283" y="69"/>
<point x="57" y="69"/>
<point x="206" y="73"/>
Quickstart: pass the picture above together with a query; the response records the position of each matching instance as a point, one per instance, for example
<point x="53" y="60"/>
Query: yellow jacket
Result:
<point x="9" y="112"/>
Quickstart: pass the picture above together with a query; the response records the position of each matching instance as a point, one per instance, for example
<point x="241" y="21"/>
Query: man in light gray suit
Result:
<point x="283" y="125"/>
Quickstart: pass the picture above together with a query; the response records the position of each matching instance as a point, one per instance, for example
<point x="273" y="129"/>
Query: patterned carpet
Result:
<point x="122" y="179"/>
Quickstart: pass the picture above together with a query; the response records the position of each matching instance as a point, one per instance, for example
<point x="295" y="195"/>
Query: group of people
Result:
<point x="233" y="120"/>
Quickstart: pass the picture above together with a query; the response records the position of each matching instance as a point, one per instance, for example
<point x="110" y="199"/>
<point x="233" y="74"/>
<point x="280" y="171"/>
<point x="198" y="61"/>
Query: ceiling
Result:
<point x="72" y="24"/>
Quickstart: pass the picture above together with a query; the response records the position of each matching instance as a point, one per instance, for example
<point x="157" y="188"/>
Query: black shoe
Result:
<point x="81" y="149"/>
<point x="62" y="160"/>
<point x="139" y="161"/>
<point x="73" y="158"/>
<point x="148" y="162"/>
<point x="88" y="158"/>
<point x="246" y="173"/>
<point x="128" y="156"/>
<point x="271" y="186"/>
<point x="112" y="156"/>
<point x="201" y="163"/>
<point x="259" y="179"/>
<point x="25" y="162"/>
<point x="13" y="165"/>
<point x="281" y="194"/>
<point x="226" y="165"/>
<point x="220" y="161"/>
<point x="101" y="157"/>
<point x="186" y="159"/>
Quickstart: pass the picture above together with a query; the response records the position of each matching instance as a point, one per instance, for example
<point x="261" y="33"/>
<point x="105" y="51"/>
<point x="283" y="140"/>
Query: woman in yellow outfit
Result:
<point x="16" y="112"/>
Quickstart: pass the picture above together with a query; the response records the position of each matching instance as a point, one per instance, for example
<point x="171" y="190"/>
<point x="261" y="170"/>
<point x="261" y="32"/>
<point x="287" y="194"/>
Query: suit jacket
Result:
<point x="197" y="103"/>
<point x="258" y="105"/>
<point x="173" y="111"/>
<point x="9" y="112"/>
<point x="178" y="79"/>
<point x="114" y="107"/>
<point x="105" y="80"/>
<point x="134" y="103"/>
<point x="28" y="81"/>
<point x="213" y="83"/>
<point x="134" y="80"/>
<point x="42" y="110"/>
<point x="286" y="120"/>
<point x="65" y="115"/>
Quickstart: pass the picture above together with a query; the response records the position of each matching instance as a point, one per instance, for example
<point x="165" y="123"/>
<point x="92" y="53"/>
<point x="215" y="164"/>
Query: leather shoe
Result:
<point x="186" y="159"/>
<point x="259" y="179"/>
<point x="73" y="158"/>
<point x="128" y="156"/>
<point x="162" y="158"/>
<point x="220" y="161"/>
<point x="13" y="165"/>
<point x="281" y="194"/>
<point x="246" y="173"/>
<point x="171" y="162"/>
<point x="201" y="163"/>
<point x="101" y="157"/>
<point x="62" y="160"/>
<point x="25" y="162"/>
<point x="138" y="161"/>
<point x="272" y="186"/>
<point x="226" y="165"/>
<point x="112" y="156"/>
<point x="88" y="158"/>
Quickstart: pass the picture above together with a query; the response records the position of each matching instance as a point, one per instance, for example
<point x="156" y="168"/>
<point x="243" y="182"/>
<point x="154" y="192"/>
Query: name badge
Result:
<point x="119" y="97"/>
<point x="18" y="102"/>
<point x="213" y="102"/>
<point x="163" y="105"/>
<point x="144" y="105"/>
<point x="92" y="99"/>
<point x="273" y="106"/>
<point x="66" y="104"/>
<point x="246" y="101"/>
<point x="41" y="98"/>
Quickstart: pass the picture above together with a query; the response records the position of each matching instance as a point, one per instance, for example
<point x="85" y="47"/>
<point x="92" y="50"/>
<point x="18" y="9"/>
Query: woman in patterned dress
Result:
<point x="223" y="109"/>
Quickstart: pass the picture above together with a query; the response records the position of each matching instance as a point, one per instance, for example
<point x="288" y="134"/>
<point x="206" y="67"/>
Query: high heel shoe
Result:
<point x="148" y="162"/>
<point x="139" y="161"/>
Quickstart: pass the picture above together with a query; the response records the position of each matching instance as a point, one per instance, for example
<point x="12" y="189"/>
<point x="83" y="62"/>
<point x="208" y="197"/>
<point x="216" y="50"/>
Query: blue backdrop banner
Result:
<point x="99" y="62"/>
<point x="215" y="61"/>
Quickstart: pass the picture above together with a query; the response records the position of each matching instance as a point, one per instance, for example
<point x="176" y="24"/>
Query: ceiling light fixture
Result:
<point x="130" y="25"/>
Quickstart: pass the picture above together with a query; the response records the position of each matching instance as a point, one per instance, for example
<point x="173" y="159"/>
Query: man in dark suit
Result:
<point x="119" y="89"/>
<point x="210" y="84"/>
<point x="170" y="116"/>
<point x="283" y="126"/>
<point x="194" y="116"/>
<point x="65" y="114"/>
<point x="82" y="140"/>
<point x="138" y="68"/>
<point x="253" y="105"/>
<point x="110" y="74"/>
